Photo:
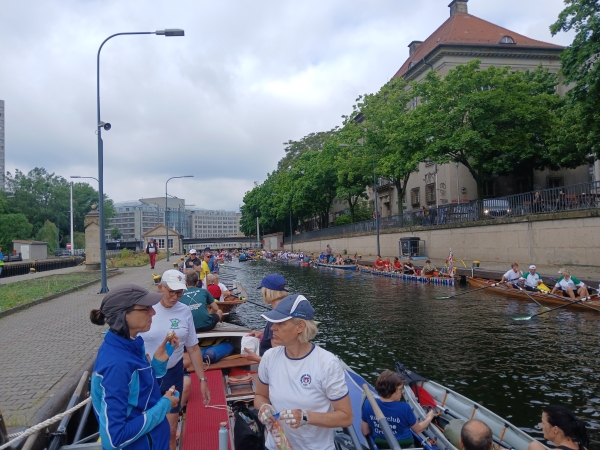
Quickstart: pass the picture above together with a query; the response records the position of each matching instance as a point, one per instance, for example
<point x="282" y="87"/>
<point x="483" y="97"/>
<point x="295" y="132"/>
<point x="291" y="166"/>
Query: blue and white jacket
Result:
<point x="126" y="396"/>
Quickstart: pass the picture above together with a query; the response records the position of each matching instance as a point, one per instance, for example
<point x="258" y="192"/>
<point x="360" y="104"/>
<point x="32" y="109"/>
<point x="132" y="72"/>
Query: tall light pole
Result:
<point x="166" y="205"/>
<point x="106" y="126"/>
<point x="374" y="192"/>
<point x="72" y="234"/>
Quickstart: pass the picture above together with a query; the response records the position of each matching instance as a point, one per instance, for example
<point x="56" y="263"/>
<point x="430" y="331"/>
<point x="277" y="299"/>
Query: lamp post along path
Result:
<point x="99" y="126"/>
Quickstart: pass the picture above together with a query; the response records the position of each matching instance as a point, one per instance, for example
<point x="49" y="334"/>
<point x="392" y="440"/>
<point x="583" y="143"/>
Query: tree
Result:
<point x="49" y="233"/>
<point x="13" y="226"/>
<point x="491" y="121"/>
<point x="115" y="233"/>
<point x="579" y="65"/>
<point x="294" y="149"/>
<point x="79" y="239"/>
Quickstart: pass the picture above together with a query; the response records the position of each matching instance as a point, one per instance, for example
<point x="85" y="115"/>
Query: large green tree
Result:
<point x="580" y="63"/>
<point x="492" y="121"/>
<point x="49" y="233"/>
<point x="13" y="226"/>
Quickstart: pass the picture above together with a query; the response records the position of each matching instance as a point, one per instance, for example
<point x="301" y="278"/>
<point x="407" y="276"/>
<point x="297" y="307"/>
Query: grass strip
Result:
<point x="23" y="292"/>
<point x="130" y="259"/>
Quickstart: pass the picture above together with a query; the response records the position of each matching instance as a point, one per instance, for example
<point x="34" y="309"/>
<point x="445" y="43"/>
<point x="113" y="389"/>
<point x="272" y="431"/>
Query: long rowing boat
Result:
<point x="543" y="298"/>
<point x="336" y="266"/>
<point x="449" y="281"/>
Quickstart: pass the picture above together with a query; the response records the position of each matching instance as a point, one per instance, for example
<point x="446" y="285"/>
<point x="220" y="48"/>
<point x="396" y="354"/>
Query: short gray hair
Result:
<point x="309" y="332"/>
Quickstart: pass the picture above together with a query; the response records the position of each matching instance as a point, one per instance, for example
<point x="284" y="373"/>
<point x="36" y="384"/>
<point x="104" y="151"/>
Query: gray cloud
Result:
<point x="218" y="103"/>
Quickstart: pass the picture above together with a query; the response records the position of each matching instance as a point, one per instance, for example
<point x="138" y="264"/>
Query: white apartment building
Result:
<point x="211" y="224"/>
<point x="2" y="148"/>
<point x="134" y="218"/>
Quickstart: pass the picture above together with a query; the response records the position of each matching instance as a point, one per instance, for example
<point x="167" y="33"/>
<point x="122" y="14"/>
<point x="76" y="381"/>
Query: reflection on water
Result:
<point x="470" y="344"/>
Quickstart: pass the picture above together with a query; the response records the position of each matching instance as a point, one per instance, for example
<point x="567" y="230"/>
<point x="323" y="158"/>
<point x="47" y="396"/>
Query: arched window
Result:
<point x="507" y="40"/>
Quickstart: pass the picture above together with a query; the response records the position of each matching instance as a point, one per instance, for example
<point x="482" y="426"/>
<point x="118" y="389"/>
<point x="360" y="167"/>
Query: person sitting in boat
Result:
<point x="397" y="265"/>
<point x="339" y="260"/>
<point x="387" y="265"/>
<point x="390" y="386"/>
<point x="512" y="275"/>
<point x="124" y="387"/>
<point x="532" y="279"/>
<point x="301" y="381"/>
<point x="563" y="429"/>
<point x="428" y="269"/>
<point x="331" y="259"/>
<point x="205" y="311"/>
<point x="272" y="288"/>
<point x="322" y="257"/>
<point x="225" y="293"/>
<point x="570" y="285"/>
<point x="476" y="435"/>
<point x="379" y="264"/>
<point x="192" y="264"/>
<point x="409" y="268"/>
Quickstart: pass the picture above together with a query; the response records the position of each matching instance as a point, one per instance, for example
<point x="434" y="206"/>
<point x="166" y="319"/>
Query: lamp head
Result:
<point x="170" y="32"/>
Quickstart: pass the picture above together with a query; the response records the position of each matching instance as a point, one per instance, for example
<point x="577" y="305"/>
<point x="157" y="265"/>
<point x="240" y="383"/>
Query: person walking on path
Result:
<point x="125" y="394"/>
<point x="151" y="250"/>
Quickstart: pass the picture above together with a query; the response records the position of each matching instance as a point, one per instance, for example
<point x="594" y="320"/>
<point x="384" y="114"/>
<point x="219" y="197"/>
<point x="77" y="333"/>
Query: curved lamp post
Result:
<point x="166" y="205"/>
<point x="99" y="126"/>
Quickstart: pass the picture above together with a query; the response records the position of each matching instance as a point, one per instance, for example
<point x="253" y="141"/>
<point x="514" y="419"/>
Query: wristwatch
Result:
<point x="203" y="379"/>
<point x="304" y="420"/>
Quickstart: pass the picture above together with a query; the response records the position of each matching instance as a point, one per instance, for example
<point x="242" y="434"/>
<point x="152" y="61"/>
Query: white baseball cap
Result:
<point x="174" y="279"/>
<point x="532" y="267"/>
<point x="192" y="252"/>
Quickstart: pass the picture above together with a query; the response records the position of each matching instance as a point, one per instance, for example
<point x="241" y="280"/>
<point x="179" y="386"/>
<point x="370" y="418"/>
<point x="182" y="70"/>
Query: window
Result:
<point x="554" y="182"/>
<point x="415" y="197"/>
<point x="430" y="194"/>
<point x="507" y="40"/>
<point x="489" y="189"/>
<point x="161" y="243"/>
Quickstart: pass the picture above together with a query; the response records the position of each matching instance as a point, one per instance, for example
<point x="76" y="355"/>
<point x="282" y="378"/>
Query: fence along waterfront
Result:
<point x="542" y="201"/>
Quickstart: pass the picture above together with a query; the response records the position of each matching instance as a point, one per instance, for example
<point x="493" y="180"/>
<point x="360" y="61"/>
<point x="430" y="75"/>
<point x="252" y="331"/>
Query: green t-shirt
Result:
<point x="198" y="299"/>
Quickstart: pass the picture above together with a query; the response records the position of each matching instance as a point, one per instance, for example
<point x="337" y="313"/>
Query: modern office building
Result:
<point x="211" y="224"/>
<point x="2" y="148"/>
<point x="133" y="219"/>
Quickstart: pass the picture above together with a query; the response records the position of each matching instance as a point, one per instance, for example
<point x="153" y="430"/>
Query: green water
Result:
<point x="470" y="344"/>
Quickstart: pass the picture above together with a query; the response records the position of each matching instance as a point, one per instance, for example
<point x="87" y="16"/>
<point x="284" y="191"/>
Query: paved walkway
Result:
<point x="47" y="344"/>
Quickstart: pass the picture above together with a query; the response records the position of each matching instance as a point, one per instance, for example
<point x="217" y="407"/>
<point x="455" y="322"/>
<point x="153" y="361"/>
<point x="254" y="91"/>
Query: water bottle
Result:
<point x="223" y="437"/>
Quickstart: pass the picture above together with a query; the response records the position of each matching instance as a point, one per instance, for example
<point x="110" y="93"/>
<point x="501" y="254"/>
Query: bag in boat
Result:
<point x="217" y="352"/>
<point x="251" y="343"/>
<point x="248" y="431"/>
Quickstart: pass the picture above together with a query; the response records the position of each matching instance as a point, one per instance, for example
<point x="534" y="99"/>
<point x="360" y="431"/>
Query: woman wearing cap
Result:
<point x="273" y="290"/>
<point x="567" y="285"/>
<point x="125" y="394"/>
<point x="302" y="382"/>
<point x="173" y="316"/>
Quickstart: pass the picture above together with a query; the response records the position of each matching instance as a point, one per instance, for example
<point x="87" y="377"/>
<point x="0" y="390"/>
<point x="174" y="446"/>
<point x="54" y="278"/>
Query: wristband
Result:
<point x="304" y="420"/>
<point x="203" y="379"/>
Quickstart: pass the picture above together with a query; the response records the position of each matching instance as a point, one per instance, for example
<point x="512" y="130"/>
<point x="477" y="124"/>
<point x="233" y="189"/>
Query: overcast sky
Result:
<point x="217" y="103"/>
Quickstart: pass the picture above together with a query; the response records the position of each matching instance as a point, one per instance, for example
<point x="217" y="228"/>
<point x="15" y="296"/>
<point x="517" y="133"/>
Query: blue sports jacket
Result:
<point x="126" y="397"/>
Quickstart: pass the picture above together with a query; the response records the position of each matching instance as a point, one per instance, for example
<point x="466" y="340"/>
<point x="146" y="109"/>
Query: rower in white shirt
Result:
<point x="512" y="275"/>
<point x="532" y="279"/>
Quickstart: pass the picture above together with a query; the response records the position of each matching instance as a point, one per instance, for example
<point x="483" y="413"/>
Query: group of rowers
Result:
<point x="569" y="286"/>
<point x="406" y="267"/>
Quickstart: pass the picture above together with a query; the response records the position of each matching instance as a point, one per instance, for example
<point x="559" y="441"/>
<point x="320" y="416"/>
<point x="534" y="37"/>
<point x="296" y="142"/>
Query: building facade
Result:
<point x="175" y="241"/>
<point x="214" y="223"/>
<point x="2" y="148"/>
<point x="133" y="219"/>
<point x="460" y="39"/>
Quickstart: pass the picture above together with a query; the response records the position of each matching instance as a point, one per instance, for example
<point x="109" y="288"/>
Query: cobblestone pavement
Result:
<point x="47" y="344"/>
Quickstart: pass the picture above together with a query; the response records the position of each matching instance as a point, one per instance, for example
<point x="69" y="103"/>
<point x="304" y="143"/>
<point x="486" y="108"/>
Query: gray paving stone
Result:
<point x="45" y="343"/>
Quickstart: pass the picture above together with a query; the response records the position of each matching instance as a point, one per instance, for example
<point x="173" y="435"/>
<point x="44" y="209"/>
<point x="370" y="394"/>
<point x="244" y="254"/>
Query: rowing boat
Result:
<point x="335" y="266"/>
<point x="227" y="305"/>
<point x="449" y="281"/>
<point x="543" y="298"/>
<point x="452" y="410"/>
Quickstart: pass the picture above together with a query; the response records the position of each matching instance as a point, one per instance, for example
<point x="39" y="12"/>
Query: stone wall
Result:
<point x="570" y="238"/>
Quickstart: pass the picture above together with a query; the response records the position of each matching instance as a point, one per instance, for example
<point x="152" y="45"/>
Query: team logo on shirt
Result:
<point x="305" y="380"/>
<point x="174" y="323"/>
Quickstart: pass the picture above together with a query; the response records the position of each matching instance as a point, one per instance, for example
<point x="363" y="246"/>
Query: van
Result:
<point x="496" y="207"/>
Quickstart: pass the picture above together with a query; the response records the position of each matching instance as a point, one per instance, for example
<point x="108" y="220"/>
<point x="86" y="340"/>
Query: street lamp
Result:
<point x="107" y="126"/>
<point x="77" y="176"/>
<point x="374" y="193"/>
<point x="166" y="207"/>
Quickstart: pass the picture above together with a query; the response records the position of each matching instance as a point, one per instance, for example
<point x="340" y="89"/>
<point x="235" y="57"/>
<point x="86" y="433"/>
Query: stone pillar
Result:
<point x="92" y="239"/>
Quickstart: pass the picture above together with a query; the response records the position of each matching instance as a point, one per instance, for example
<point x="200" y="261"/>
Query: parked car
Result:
<point x="496" y="207"/>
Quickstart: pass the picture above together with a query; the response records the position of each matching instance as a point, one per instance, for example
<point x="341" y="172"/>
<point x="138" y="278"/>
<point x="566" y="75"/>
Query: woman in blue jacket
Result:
<point x="125" y="394"/>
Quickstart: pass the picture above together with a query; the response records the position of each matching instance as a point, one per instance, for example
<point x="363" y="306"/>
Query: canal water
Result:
<point x="470" y="344"/>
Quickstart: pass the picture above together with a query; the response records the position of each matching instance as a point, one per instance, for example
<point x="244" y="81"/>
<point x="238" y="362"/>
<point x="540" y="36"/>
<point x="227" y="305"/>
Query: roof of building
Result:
<point x="152" y="231"/>
<point x="469" y="30"/>
<point x="19" y="241"/>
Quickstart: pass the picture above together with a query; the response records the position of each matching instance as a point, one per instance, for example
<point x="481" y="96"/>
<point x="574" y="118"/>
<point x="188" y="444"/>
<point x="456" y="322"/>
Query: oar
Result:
<point x="567" y="299"/>
<point x="381" y="419"/>
<point x="554" y="309"/>
<point x="472" y="290"/>
<point x="527" y="294"/>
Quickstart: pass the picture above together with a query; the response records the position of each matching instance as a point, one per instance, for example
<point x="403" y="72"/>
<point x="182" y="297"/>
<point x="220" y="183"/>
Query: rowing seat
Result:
<point x="201" y="423"/>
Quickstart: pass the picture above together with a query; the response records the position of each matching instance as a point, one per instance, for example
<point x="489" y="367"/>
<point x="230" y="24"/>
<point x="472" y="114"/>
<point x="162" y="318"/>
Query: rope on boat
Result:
<point x="40" y="426"/>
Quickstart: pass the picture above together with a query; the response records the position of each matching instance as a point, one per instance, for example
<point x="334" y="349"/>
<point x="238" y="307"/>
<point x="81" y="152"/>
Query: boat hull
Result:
<point x="544" y="299"/>
<point x="418" y="278"/>
<point x="334" y="266"/>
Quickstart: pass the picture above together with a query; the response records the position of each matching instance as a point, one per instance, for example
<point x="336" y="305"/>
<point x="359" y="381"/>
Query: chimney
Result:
<point x="413" y="46"/>
<point x="458" y="7"/>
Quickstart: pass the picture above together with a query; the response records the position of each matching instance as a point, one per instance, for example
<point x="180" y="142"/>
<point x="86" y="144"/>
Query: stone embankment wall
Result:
<point x="570" y="238"/>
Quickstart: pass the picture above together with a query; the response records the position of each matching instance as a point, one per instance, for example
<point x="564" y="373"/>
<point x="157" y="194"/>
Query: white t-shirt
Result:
<point x="531" y="280"/>
<point x="310" y="384"/>
<point x="223" y="289"/>
<point x="511" y="275"/>
<point x="178" y="319"/>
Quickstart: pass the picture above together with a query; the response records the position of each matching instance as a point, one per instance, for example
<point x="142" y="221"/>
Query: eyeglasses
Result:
<point x="400" y="388"/>
<point x="174" y="293"/>
<point x="142" y="308"/>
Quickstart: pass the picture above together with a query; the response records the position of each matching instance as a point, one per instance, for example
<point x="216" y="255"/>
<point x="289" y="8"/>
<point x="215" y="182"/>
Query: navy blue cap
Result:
<point x="294" y="306"/>
<point x="275" y="282"/>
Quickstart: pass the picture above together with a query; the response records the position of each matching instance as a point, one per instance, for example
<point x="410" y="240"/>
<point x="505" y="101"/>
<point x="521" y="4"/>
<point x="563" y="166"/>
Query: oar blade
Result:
<point x="523" y="318"/>
<point x="443" y="298"/>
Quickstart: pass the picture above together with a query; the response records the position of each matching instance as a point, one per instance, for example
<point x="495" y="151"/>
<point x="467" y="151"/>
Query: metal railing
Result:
<point x="543" y="201"/>
<point x="11" y="270"/>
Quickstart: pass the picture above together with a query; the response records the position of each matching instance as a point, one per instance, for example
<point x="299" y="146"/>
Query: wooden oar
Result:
<point x="554" y="309"/>
<point x="383" y="423"/>
<point x="527" y="294"/>
<point x="569" y="300"/>
<point x="472" y="290"/>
